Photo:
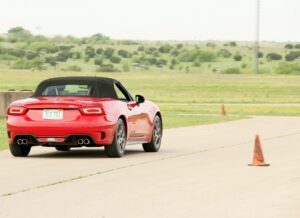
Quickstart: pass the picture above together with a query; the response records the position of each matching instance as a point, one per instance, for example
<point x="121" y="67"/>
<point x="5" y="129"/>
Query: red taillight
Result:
<point x="17" y="111"/>
<point x="92" y="111"/>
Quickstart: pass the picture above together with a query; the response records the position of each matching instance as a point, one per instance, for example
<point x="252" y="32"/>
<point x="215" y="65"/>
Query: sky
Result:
<point x="155" y="19"/>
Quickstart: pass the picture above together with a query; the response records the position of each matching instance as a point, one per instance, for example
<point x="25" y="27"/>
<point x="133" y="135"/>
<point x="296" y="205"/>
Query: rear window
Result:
<point x="69" y="90"/>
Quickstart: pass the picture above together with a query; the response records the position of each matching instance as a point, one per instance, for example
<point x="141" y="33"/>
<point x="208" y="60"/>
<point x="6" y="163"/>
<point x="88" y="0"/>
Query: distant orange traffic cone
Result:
<point x="223" y="112"/>
<point x="258" y="157"/>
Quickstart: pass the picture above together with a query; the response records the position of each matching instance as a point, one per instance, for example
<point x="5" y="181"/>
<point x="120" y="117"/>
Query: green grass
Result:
<point x="182" y="87"/>
<point x="166" y="88"/>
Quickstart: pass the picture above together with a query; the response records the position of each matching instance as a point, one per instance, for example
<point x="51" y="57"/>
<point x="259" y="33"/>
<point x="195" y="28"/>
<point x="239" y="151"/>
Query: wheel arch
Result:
<point x="123" y="118"/>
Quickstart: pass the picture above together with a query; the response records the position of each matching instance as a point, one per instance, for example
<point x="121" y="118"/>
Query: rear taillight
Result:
<point x="17" y="111"/>
<point x="92" y="111"/>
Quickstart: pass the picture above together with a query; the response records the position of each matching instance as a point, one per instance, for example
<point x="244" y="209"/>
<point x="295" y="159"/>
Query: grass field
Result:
<point x="178" y="94"/>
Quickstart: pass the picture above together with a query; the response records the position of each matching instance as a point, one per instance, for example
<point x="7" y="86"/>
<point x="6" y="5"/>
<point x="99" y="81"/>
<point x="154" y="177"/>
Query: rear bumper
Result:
<point x="99" y="129"/>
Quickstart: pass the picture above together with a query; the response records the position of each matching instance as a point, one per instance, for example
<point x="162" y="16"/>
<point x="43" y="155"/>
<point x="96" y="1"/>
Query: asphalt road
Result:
<point x="200" y="172"/>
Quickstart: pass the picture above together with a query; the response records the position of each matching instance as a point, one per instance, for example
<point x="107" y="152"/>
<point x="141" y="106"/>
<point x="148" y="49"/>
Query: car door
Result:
<point x="133" y="111"/>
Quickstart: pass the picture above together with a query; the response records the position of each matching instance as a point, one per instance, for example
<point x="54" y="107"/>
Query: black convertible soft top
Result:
<point x="104" y="86"/>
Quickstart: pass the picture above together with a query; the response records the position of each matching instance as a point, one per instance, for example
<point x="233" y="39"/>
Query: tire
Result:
<point x="117" y="148"/>
<point x="19" y="150"/>
<point x="63" y="148"/>
<point x="155" y="143"/>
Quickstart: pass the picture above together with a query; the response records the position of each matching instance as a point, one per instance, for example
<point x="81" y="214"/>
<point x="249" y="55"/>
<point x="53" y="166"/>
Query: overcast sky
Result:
<point x="155" y="19"/>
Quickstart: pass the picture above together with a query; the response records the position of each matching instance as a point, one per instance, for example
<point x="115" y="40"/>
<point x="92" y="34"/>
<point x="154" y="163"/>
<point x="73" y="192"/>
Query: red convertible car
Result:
<point x="83" y="111"/>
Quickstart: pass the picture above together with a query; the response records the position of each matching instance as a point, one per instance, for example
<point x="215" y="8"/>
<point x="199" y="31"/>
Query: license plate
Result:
<point x="52" y="114"/>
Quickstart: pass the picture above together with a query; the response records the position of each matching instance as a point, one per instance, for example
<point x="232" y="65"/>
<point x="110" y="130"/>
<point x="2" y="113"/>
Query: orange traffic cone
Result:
<point x="223" y="112"/>
<point x="258" y="157"/>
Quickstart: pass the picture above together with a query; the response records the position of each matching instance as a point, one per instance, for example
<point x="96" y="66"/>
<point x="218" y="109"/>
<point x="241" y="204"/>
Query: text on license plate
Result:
<point x="52" y="114"/>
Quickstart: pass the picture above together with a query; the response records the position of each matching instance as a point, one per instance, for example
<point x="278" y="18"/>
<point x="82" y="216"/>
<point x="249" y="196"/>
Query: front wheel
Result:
<point x="154" y="145"/>
<point x="19" y="150"/>
<point x="117" y="148"/>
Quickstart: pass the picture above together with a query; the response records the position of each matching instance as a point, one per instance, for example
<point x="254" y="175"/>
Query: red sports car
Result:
<point x="83" y="111"/>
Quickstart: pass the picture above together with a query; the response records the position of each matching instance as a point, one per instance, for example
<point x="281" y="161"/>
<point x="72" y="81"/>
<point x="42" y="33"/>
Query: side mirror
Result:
<point x="139" y="99"/>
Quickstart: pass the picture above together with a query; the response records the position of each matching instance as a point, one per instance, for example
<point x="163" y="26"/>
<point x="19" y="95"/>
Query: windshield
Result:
<point x="69" y="90"/>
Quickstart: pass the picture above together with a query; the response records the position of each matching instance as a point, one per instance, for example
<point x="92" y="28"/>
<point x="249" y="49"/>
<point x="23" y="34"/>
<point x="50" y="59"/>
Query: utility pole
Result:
<point x="256" y="44"/>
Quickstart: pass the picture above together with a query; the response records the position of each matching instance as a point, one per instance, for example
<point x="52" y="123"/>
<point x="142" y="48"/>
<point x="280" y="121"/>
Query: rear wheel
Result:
<point x="63" y="148"/>
<point x="154" y="145"/>
<point x="19" y="150"/>
<point x="117" y="148"/>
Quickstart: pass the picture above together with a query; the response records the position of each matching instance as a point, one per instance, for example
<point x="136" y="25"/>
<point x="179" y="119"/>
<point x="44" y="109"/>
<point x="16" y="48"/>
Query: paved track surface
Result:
<point x="199" y="172"/>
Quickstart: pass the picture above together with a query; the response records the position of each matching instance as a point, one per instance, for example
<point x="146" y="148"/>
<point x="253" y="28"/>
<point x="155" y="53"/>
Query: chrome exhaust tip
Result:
<point x="86" y="141"/>
<point x="20" y="141"/>
<point x="80" y="141"/>
<point x="25" y="141"/>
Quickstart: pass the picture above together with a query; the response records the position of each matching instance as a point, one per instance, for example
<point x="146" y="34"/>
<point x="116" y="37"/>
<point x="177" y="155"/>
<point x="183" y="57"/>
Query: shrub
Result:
<point x="232" y="43"/>
<point x="288" y="68"/>
<point x="260" y="54"/>
<point x="74" y="68"/>
<point x="192" y="55"/>
<point x="161" y="62"/>
<point x="22" y="65"/>
<point x="165" y="48"/>
<point x="76" y="55"/>
<point x="179" y="46"/>
<point x="211" y="45"/>
<point x="98" y="61"/>
<point x="231" y="71"/>
<point x="150" y="50"/>
<point x="274" y="57"/>
<point x="30" y="55"/>
<point x="90" y="52"/>
<point x="175" y="52"/>
<point x="141" y="48"/>
<point x="297" y="46"/>
<point x="125" y="67"/>
<point x="224" y="53"/>
<point x="115" y="59"/>
<point x="293" y="55"/>
<point x="125" y="54"/>
<point x="51" y="61"/>
<point x="289" y="46"/>
<point x="109" y="52"/>
<point x="107" y="68"/>
<point x="244" y="65"/>
<point x="99" y="51"/>
<point x="237" y="57"/>
<point x="63" y="56"/>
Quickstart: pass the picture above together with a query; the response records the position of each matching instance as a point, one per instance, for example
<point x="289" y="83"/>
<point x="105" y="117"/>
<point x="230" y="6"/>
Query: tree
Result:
<point x="292" y="55"/>
<point x="99" y="51"/>
<point x="115" y="59"/>
<point x="165" y="48"/>
<point x="297" y="46"/>
<point x="232" y="43"/>
<point x="125" y="54"/>
<point x="274" y="57"/>
<point x="31" y="55"/>
<point x="211" y="44"/>
<point x="224" y="53"/>
<point x="109" y="52"/>
<point x="90" y="52"/>
<point x="237" y="57"/>
<point x="179" y="46"/>
<point x="18" y="34"/>
<point x="98" y="61"/>
<point x="289" y="46"/>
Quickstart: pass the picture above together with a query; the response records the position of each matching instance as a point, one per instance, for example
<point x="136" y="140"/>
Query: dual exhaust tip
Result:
<point x="22" y="141"/>
<point x="85" y="141"/>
